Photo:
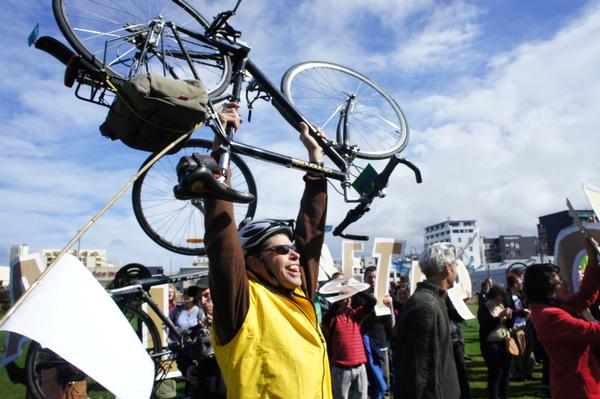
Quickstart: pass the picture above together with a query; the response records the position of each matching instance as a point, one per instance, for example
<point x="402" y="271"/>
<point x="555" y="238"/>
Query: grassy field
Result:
<point x="478" y="371"/>
<point x="9" y="390"/>
<point x="476" y="367"/>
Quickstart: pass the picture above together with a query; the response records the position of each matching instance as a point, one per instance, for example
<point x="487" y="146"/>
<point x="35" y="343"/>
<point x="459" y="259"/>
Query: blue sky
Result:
<point x="501" y="98"/>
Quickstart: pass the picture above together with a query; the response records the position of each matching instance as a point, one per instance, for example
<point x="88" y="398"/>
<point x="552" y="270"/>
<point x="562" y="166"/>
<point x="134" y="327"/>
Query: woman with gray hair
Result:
<point x="426" y="366"/>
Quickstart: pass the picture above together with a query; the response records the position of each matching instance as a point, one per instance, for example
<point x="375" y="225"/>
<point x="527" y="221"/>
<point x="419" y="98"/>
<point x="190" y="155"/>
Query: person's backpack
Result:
<point x="152" y="111"/>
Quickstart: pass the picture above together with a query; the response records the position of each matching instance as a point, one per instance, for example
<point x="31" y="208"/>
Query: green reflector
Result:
<point x="364" y="182"/>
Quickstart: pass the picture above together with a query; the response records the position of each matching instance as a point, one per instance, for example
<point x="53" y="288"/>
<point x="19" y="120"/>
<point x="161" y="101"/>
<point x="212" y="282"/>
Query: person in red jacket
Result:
<point x="568" y="339"/>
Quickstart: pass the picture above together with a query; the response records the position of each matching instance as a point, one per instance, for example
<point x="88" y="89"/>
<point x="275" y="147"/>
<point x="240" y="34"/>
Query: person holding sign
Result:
<point x="263" y="279"/>
<point x="342" y="324"/>
<point x="568" y="340"/>
<point x="426" y="366"/>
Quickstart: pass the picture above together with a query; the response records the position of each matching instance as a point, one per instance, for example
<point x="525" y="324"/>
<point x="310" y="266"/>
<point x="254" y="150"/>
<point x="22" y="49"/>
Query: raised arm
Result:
<point x="227" y="266"/>
<point x="310" y="224"/>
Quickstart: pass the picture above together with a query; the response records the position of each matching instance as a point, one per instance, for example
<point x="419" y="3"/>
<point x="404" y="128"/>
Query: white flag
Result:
<point x="69" y="312"/>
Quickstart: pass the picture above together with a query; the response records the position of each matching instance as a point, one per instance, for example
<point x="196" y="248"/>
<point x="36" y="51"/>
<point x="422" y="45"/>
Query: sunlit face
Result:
<point x="285" y="267"/>
<point x="171" y="294"/>
<point x="207" y="303"/>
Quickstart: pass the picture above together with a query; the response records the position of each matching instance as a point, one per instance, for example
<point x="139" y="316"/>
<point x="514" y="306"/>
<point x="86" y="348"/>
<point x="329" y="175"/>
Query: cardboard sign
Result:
<point x="569" y="252"/>
<point x="593" y="195"/>
<point x="326" y="264"/>
<point x="160" y="295"/>
<point x="24" y="270"/>
<point x="349" y="262"/>
<point x="383" y="249"/>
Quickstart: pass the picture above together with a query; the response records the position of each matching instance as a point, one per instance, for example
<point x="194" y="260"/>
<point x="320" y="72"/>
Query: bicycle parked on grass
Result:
<point x="46" y="371"/>
<point x="116" y="41"/>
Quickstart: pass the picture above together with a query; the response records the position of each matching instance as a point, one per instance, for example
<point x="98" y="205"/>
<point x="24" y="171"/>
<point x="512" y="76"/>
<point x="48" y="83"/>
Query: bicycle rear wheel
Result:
<point x="47" y="373"/>
<point x="320" y="91"/>
<point x="179" y="225"/>
<point x="127" y="38"/>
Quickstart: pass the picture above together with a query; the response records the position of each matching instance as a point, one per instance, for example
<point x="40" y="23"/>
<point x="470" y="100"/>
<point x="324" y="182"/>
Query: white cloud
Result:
<point x="502" y="146"/>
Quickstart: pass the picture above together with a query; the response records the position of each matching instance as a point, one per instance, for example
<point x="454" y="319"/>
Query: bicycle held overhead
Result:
<point x="115" y="42"/>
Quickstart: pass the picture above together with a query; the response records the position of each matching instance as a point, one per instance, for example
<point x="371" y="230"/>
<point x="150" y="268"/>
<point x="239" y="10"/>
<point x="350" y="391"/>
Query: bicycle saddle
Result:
<point x="200" y="177"/>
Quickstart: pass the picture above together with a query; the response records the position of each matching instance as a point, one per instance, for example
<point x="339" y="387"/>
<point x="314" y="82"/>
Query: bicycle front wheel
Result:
<point x="179" y="225"/>
<point x="127" y="38"/>
<point x="47" y="373"/>
<point x="321" y="91"/>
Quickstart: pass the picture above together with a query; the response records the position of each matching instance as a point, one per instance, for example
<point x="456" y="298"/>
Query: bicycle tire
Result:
<point x="179" y="225"/>
<point x="88" y="24"/>
<point x="319" y="90"/>
<point x="39" y="358"/>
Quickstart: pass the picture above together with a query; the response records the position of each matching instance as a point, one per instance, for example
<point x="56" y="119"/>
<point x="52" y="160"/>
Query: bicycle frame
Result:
<point x="221" y="36"/>
<point x="241" y="64"/>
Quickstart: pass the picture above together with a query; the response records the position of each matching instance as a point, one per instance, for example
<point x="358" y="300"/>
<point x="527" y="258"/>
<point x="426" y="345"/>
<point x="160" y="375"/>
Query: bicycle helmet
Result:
<point x="254" y="234"/>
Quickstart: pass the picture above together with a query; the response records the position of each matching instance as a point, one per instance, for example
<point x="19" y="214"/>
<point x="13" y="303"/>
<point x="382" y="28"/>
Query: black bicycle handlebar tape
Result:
<point x="415" y="170"/>
<point x="55" y="48"/>
<point x="354" y="237"/>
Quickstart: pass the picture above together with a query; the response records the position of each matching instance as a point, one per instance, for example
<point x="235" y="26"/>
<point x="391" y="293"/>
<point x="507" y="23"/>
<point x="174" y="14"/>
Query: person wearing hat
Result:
<point x="263" y="279"/>
<point x="522" y="366"/>
<point x="342" y="324"/>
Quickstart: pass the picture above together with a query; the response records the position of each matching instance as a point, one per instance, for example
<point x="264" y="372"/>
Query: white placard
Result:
<point x="69" y="312"/>
<point x="593" y="195"/>
<point x="326" y="265"/>
<point x="349" y="262"/>
<point x="383" y="249"/>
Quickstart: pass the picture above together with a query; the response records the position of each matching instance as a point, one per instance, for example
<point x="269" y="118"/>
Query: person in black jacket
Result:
<point x="498" y="361"/>
<point x="426" y="367"/>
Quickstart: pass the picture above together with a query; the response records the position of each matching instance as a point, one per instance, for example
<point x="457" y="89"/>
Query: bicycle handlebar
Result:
<point x="55" y="48"/>
<point x="379" y="184"/>
<point x="158" y="280"/>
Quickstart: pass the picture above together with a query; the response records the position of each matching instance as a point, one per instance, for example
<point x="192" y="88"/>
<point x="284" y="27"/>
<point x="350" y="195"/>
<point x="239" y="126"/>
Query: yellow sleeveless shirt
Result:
<point x="279" y="352"/>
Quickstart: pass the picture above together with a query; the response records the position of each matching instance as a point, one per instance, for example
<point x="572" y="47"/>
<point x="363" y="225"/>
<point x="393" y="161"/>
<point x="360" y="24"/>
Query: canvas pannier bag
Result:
<point x="152" y="111"/>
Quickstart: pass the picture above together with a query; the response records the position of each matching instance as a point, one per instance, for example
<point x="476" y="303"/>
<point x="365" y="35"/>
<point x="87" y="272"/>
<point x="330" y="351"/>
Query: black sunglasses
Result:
<point x="281" y="249"/>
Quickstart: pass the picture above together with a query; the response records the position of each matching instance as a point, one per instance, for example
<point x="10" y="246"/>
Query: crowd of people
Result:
<point x="273" y="335"/>
<point x="269" y="341"/>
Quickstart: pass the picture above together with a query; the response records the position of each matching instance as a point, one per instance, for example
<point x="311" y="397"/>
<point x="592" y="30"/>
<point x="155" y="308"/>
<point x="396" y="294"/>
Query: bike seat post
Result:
<point x="239" y="63"/>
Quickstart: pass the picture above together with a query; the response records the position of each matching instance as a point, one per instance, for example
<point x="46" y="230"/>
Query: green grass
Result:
<point x="8" y="389"/>
<point x="478" y="371"/>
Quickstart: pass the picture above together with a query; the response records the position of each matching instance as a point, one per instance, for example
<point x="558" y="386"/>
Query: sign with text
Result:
<point x="349" y="262"/>
<point x="383" y="250"/>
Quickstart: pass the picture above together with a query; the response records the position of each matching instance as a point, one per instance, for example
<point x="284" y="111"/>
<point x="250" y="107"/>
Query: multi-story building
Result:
<point x="464" y="234"/>
<point x="506" y="247"/>
<point x="94" y="259"/>
<point x="550" y="225"/>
